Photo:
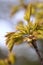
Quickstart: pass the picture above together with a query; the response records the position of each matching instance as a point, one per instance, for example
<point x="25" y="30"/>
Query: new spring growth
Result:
<point x="35" y="29"/>
<point x="10" y="60"/>
<point x="30" y="32"/>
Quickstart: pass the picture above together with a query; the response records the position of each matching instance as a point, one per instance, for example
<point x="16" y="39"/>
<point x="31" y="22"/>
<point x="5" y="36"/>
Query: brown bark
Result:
<point x="37" y="51"/>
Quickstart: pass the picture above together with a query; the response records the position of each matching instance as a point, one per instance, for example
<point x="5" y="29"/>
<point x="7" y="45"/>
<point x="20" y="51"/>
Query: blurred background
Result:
<point x="25" y="55"/>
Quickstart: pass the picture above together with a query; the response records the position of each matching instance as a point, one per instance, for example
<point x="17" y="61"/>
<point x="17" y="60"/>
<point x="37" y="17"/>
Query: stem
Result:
<point x="37" y="51"/>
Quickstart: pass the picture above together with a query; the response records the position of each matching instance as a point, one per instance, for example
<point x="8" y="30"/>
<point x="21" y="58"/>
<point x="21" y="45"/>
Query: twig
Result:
<point x="37" y="51"/>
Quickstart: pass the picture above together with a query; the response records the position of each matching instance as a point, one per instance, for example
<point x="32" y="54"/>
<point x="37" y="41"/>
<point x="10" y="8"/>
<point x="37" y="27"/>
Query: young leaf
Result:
<point x="28" y="12"/>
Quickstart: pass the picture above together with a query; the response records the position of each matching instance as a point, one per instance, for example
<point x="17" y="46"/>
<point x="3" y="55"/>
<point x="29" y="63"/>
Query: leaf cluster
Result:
<point x="30" y="29"/>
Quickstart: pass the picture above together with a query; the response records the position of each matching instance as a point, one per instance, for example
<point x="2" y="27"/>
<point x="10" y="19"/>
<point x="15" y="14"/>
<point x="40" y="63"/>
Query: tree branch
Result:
<point x="37" y="51"/>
